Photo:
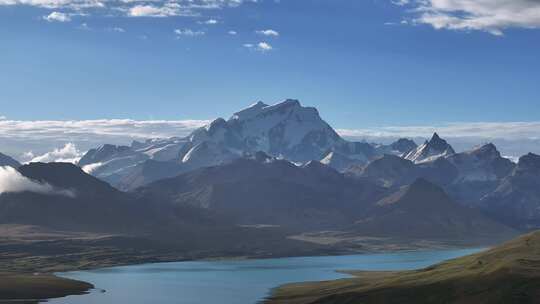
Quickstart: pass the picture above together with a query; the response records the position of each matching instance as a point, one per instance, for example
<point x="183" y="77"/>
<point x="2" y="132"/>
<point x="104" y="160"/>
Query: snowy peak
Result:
<point x="250" y="111"/>
<point x="435" y="148"/>
<point x="103" y="153"/>
<point x="338" y="161"/>
<point x="438" y="144"/>
<point x="286" y="129"/>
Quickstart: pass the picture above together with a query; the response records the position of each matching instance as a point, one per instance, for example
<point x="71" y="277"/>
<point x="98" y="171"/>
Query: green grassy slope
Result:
<point x="509" y="273"/>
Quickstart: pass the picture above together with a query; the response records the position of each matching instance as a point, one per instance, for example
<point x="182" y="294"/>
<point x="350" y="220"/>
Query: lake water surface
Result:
<point x="233" y="282"/>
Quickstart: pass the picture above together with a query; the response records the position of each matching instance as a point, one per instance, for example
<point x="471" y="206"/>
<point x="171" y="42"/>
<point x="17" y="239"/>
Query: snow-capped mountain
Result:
<point x="112" y="163"/>
<point x="435" y="148"/>
<point x="481" y="164"/>
<point x="339" y="161"/>
<point x="285" y="130"/>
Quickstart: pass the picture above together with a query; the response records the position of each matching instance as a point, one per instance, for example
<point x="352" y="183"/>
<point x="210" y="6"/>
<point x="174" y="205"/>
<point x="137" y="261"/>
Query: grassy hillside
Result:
<point x="509" y="273"/>
<point x="29" y="288"/>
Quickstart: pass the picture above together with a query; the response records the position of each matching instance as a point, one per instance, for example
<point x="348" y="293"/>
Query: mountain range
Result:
<point x="286" y="130"/>
<point x="274" y="174"/>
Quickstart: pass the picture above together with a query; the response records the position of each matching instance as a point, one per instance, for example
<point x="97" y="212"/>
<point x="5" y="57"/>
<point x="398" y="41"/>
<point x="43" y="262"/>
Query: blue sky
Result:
<point x="354" y="60"/>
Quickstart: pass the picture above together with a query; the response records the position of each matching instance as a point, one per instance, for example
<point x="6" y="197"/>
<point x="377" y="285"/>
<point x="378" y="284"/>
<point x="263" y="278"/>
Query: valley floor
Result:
<point x="29" y="254"/>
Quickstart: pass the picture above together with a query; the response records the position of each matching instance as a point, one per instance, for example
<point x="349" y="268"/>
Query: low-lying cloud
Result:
<point x="66" y="141"/>
<point x="512" y="138"/>
<point x="12" y="180"/>
<point x="67" y="154"/>
<point x="27" y="140"/>
<point x="509" y="130"/>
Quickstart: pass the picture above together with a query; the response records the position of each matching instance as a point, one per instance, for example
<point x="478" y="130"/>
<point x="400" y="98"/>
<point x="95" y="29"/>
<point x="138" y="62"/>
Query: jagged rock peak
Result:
<point x="436" y="142"/>
<point x="488" y="150"/>
<point x="403" y="145"/>
<point x="530" y="162"/>
<point x="216" y="124"/>
<point x="261" y="108"/>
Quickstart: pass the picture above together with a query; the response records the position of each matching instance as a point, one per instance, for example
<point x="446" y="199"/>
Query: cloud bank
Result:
<point x="512" y="138"/>
<point x="13" y="181"/>
<point x="509" y="130"/>
<point x="49" y="140"/>
<point x="492" y="16"/>
<point x="66" y="141"/>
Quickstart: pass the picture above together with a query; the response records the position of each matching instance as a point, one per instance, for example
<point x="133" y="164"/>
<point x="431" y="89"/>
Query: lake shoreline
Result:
<point x="334" y="272"/>
<point x="80" y="287"/>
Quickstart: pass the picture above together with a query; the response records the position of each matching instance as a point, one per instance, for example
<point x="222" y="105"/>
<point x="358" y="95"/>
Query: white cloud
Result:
<point x="268" y="32"/>
<point x="189" y="32"/>
<point x="492" y="16"/>
<point x="117" y="29"/>
<point x="167" y="10"/>
<point x="13" y="181"/>
<point x="43" y="136"/>
<point x="262" y="47"/>
<point x="232" y="33"/>
<point x="68" y="154"/>
<point x="210" y="22"/>
<point x="57" y="17"/>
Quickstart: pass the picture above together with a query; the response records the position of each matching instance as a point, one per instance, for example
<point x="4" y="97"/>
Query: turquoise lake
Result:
<point x="233" y="282"/>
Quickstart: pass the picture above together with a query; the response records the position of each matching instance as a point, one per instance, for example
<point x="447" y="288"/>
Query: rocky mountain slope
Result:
<point x="424" y="211"/>
<point x="268" y="191"/>
<point x="8" y="161"/>
<point x="516" y="200"/>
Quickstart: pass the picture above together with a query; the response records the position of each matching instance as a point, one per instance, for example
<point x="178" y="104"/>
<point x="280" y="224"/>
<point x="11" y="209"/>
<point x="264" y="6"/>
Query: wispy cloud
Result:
<point x="166" y="10"/>
<point x="116" y="29"/>
<point x="13" y="181"/>
<point x="492" y="16"/>
<point x="262" y="47"/>
<point x="189" y="32"/>
<point x="57" y="17"/>
<point x="210" y="22"/>
<point x="269" y="32"/>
